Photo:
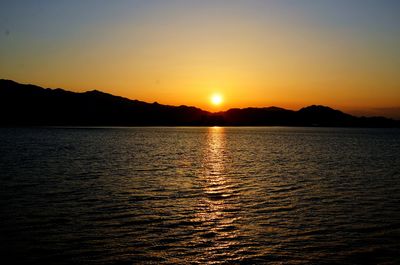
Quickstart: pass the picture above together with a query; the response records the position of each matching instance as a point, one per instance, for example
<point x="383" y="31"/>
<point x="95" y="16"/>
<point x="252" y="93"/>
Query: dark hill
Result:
<point x="30" y="105"/>
<point x="260" y="116"/>
<point x="324" y="116"/>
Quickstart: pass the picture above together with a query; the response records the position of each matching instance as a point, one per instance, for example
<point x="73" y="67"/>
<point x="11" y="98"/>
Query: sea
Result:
<point x="199" y="195"/>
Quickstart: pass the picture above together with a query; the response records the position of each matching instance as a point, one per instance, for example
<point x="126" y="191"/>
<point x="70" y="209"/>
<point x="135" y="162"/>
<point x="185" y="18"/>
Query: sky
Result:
<point x="287" y="53"/>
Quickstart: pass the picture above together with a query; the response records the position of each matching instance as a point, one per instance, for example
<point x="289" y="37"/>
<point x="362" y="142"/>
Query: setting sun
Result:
<point x="216" y="99"/>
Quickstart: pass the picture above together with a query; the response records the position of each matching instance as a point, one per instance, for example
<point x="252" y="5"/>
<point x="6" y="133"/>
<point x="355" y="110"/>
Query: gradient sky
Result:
<point x="341" y="53"/>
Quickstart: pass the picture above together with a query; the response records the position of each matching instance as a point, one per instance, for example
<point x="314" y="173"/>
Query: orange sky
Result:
<point x="255" y="53"/>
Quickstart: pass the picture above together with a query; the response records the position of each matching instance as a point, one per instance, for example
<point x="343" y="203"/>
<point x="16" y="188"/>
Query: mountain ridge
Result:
<point x="32" y="105"/>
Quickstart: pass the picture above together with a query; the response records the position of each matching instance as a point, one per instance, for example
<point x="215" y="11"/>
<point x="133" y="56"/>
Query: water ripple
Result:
<point x="200" y="196"/>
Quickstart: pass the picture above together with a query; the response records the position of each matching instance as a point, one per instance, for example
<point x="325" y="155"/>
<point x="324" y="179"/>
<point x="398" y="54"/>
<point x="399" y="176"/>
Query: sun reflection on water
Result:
<point x="217" y="211"/>
<point x="214" y="153"/>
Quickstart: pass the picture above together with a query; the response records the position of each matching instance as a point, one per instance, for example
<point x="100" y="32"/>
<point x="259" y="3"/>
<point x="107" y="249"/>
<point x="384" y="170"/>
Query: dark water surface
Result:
<point x="200" y="195"/>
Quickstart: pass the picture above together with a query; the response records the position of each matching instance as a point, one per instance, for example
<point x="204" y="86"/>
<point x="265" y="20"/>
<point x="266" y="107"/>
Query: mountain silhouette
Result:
<point x="30" y="105"/>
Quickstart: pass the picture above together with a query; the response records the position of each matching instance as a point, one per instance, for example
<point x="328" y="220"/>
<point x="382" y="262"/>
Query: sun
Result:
<point x="216" y="99"/>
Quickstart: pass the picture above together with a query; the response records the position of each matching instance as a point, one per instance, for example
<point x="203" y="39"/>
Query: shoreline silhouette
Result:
<point x="31" y="105"/>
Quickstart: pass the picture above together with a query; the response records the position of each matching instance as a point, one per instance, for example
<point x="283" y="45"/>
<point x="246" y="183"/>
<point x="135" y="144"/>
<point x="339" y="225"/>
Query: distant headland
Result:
<point x="30" y="105"/>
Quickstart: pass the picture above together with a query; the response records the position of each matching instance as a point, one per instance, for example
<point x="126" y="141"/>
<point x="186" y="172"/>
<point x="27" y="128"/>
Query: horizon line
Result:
<point x="211" y="112"/>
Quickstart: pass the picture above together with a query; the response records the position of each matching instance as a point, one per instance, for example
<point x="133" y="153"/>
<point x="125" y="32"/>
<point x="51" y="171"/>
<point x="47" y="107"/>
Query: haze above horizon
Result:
<point x="253" y="53"/>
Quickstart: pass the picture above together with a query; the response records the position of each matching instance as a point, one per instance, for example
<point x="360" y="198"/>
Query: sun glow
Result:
<point x="216" y="99"/>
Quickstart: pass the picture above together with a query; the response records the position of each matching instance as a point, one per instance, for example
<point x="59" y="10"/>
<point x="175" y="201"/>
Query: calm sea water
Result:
<point x="200" y="195"/>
